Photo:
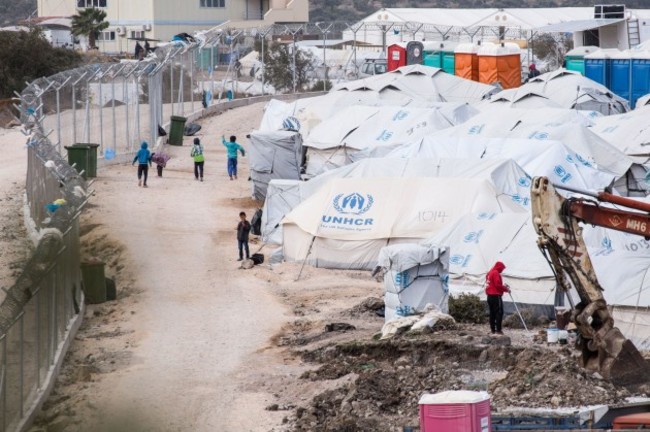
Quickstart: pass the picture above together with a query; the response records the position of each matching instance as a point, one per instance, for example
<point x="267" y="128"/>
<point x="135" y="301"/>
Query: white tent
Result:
<point x="513" y="98"/>
<point x="282" y="196"/>
<point x="345" y="223"/>
<point x="477" y="241"/>
<point x="367" y="128"/>
<point x="571" y="90"/>
<point x="508" y="178"/>
<point x="629" y="132"/>
<point x="311" y="111"/>
<point x="273" y="155"/>
<point x="627" y="290"/>
<point x="423" y="83"/>
<point x="414" y="277"/>
<point x="537" y="157"/>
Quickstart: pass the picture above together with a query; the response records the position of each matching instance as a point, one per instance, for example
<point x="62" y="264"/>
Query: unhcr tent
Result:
<point x="346" y="223"/>
<point x="368" y="128"/>
<point x="477" y="241"/>
<point x="569" y="89"/>
<point x="274" y="155"/>
<point x="424" y="83"/>
<point x="508" y="178"/>
<point x="514" y="98"/>
<point x="629" y="132"/>
<point x="537" y="158"/>
<point x="565" y="126"/>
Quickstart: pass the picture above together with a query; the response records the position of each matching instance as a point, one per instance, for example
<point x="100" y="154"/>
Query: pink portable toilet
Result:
<point x="455" y="411"/>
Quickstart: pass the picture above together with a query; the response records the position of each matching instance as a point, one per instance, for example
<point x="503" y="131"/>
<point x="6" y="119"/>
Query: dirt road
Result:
<point x="193" y="321"/>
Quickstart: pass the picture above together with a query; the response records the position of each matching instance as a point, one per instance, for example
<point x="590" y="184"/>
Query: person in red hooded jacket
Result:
<point x="494" y="288"/>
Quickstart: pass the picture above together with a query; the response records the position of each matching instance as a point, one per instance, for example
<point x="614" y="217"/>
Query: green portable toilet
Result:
<point x="433" y="59"/>
<point x="433" y="54"/>
<point x="575" y="59"/>
<point x="449" y="62"/>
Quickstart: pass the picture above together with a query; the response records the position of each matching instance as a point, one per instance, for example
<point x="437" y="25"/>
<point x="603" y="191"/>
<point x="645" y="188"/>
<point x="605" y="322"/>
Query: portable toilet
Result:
<point x="597" y="66"/>
<point x="396" y="56"/>
<point x="620" y="74"/>
<point x="575" y="59"/>
<point x="414" y="53"/>
<point x="500" y="63"/>
<point x="640" y="75"/>
<point x="455" y="411"/>
<point x="466" y="61"/>
<point x="449" y="61"/>
<point x="433" y="54"/>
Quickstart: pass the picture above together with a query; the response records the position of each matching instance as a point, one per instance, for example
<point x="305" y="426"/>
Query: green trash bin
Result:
<point x="176" y="130"/>
<point x="78" y="155"/>
<point x="84" y="157"/>
<point x="92" y="274"/>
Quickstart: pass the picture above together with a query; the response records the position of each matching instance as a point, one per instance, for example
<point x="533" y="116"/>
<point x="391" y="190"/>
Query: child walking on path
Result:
<point x="232" y="147"/>
<point x="199" y="159"/>
<point x="243" y="229"/>
<point x="143" y="157"/>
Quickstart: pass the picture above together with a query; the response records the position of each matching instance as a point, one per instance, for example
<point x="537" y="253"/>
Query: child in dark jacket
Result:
<point x="243" y="230"/>
<point x="143" y="157"/>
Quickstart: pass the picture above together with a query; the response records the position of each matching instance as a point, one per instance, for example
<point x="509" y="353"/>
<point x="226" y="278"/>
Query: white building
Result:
<point x="162" y="19"/>
<point x="620" y="29"/>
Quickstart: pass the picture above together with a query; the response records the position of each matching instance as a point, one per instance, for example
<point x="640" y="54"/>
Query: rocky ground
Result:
<point x="372" y="384"/>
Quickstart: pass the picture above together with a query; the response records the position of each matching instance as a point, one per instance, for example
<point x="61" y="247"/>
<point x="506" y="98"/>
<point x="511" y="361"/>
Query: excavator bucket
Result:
<point x="628" y="367"/>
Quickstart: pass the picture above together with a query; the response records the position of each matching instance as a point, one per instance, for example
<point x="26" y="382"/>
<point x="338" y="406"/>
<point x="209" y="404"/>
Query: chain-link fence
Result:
<point x="42" y="309"/>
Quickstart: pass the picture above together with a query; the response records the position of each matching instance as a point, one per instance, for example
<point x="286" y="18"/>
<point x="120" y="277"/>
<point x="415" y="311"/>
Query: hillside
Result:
<point x="12" y="11"/>
<point x="354" y="10"/>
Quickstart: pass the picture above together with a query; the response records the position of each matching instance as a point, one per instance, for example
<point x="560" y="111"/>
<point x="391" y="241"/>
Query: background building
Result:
<point x="162" y="19"/>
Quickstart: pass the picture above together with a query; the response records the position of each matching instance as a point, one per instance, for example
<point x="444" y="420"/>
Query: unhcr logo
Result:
<point x="538" y="135"/>
<point x="460" y="260"/>
<point x="562" y="173"/>
<point x="354" y="204"/>
<point x="524" y="182"/>
<point x="473" y="237"/>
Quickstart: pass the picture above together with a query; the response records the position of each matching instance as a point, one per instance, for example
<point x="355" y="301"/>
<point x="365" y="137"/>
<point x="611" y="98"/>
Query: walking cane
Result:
<point x="518" y="313"/>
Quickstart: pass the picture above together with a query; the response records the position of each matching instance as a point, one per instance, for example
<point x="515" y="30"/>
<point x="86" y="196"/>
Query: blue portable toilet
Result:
<point x="640" y="84"/>
<point x="597" y="65"/>
<point x="620" y="74"/>
<point x="575" y="59"/>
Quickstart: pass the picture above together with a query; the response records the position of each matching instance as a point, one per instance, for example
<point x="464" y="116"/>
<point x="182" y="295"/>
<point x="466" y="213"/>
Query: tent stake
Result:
<point x="305" y="260"/>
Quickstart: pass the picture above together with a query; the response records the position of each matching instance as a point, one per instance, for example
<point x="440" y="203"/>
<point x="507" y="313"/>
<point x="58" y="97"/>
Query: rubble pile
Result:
<point x="381" y="381"/>
<point x="543" y="378"/>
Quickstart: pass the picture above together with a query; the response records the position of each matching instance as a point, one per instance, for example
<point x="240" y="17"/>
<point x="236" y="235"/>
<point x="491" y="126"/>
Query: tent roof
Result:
<point x="579" y="25"/>
<point x="525" y="18"/>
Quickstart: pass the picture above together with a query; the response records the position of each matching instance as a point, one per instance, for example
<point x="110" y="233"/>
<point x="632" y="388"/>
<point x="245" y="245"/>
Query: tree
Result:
<point x="89" y="22"/>
<point x="278" y="67"/>
<point x="550" y="50"/>
<point x="26" y="56"/>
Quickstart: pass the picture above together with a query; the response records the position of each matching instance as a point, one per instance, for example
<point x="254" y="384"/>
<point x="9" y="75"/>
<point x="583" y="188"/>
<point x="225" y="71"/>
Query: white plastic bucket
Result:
<point x="563" y="336"/>
<point x="552" y="335"/>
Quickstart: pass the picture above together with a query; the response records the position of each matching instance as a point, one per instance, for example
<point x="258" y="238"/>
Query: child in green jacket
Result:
<point x="199" y="159"/>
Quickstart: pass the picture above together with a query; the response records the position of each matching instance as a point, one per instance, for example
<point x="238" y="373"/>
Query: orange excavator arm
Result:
<point x="556" y="221"/>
